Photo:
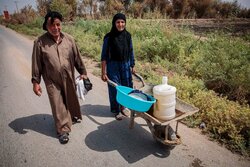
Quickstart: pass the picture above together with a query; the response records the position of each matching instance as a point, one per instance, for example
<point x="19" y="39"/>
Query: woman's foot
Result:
<point x="63" y="138"/>
<point x="119" y="116"/>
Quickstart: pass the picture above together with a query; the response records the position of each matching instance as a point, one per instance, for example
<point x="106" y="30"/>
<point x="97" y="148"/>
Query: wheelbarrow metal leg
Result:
<point x="132" y="119"/>
<point x="176" y="128"/>
<point x="166" y="132"/>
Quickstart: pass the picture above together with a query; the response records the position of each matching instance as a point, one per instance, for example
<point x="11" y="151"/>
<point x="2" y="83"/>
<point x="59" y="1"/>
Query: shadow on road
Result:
<point x="89" y="110"/>
<point x="132" y="144"/>
<point x="41" y="123"/>
<point x="96" y="110"/>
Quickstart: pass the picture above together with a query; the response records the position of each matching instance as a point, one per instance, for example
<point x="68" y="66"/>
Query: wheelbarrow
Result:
<point x="132" y="99"/>
<point x="159" y="128"/>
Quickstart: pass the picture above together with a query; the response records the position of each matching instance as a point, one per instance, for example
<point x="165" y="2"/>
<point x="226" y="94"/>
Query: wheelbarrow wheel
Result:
<point x="161" y="136"/>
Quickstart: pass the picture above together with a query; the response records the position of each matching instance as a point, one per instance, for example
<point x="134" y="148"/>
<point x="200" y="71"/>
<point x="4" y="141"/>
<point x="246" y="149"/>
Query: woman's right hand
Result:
<point x="37" y="89"/>
<point x="104" y="72"/>
<point x="104" y="77"/>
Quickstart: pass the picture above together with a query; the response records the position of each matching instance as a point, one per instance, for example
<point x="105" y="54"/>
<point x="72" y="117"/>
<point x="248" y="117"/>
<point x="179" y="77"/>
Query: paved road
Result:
<point x="27" y="133"/>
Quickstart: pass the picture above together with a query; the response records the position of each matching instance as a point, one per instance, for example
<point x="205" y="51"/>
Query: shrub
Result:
<point x="223" y="64"/>
<point x="226" y="121"/>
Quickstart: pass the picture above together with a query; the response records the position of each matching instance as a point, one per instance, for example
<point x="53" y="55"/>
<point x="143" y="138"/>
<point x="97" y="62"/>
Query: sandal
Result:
<point x="63" y="138"/>
<point x="119" y="116"/>
<point x="75" y="120"/>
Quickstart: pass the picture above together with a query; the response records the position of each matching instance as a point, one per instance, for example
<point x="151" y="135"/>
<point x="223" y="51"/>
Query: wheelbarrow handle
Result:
<point x="135" y="74"/>
<point x="140" y="78"/>
<point x="112" y="83"/>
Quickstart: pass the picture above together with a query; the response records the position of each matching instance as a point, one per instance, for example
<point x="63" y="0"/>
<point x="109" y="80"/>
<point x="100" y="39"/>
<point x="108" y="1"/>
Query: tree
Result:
<point x="113" y="6"/>
<point x="73" y="5"/>
<point x="161" y="5"/>
<point x="90" y="7"/>
<point x="200" y="7"/>
<point x="66" y="7"/>
<point x="27" y="14"/>
<point x="43" y="6"/>
<point x="178" y="8"/>
<point x="137" y="9"/>
<point x="88" y="4"/>
<point x="62" y="7"/>
<point x="228" y="9"/>
<point x="127" y="4"/>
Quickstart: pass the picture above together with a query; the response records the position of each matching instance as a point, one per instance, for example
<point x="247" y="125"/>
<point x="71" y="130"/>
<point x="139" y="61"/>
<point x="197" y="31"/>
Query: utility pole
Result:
<point x="16" y="6"/>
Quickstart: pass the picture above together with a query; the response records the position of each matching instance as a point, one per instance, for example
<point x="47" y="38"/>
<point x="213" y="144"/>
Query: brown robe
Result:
<point x="55" y="63"/>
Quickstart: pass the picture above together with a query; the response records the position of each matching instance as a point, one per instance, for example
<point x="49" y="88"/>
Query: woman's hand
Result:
<point x="37" y="89"/>
<point x="104" y="74"/>
<point x="104" y="77"/>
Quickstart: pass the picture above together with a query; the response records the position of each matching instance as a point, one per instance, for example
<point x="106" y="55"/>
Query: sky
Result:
<point x="242" y="3"/>
<point x="13" y="5"/>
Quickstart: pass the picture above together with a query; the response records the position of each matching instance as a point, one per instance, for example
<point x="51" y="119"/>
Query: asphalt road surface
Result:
<point x="28" y="139"/>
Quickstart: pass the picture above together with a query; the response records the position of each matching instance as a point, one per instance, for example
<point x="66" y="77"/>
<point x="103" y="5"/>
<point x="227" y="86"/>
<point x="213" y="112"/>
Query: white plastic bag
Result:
<point x="80" y="89"/>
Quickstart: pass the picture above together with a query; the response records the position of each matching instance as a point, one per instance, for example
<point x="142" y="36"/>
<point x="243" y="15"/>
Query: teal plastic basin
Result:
<point x="133" y="103"/>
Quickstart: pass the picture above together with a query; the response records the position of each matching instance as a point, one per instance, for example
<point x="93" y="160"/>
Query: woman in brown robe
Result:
<point x="54" y="57"/>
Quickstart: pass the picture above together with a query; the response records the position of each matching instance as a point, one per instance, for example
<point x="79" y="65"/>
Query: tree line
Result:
<point x="145" y="9"/>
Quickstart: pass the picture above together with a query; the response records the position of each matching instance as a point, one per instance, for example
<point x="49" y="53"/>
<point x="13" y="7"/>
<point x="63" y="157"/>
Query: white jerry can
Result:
<point x="164" y="108"/>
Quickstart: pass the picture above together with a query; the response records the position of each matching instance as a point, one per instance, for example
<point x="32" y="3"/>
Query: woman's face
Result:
<point x="120" y="24"/>
<point x="54" y="28"/>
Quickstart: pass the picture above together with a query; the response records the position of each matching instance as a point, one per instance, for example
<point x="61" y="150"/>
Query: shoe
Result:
<point x="75" y="120"/>
<point x="63" y="138"/>
<point x="119" y="116"/>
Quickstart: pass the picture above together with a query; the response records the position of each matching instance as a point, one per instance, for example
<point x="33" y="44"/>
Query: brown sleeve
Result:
<point x="36" y="64"/>
<point x="78" y="63"/>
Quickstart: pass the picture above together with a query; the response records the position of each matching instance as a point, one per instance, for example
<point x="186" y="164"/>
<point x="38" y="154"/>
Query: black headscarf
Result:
<point x="119" y="41"/>
<point x="53" y="15"/>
